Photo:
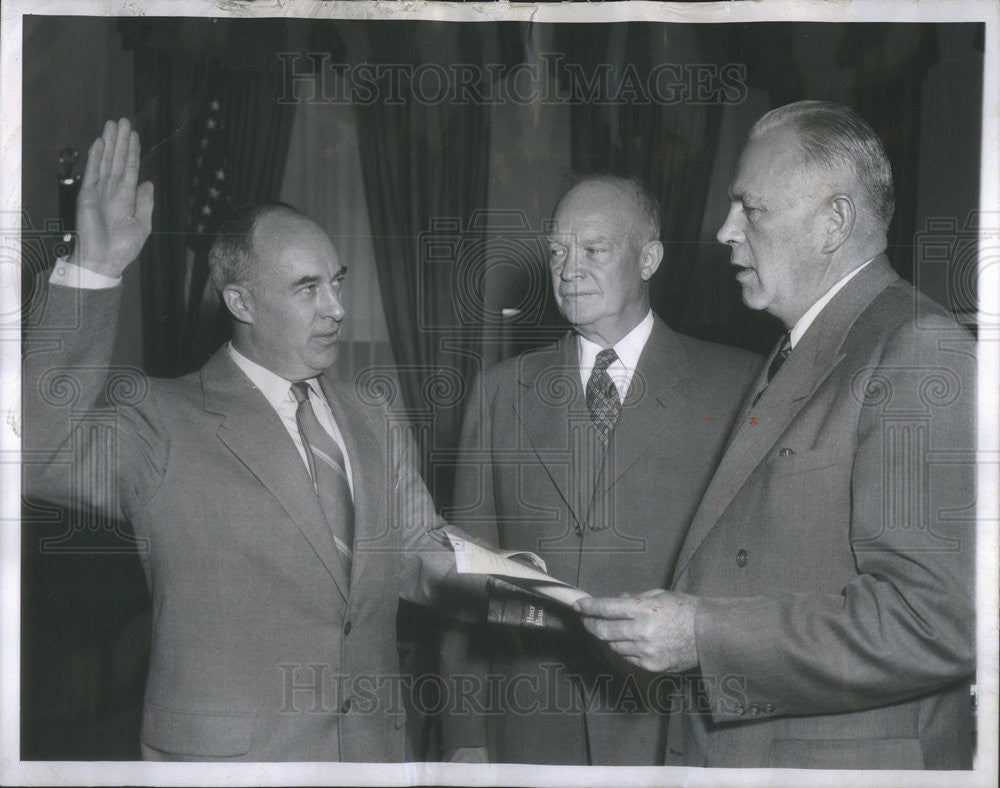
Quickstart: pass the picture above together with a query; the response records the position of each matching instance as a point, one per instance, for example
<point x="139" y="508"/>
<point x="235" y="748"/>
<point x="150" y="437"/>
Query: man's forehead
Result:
<point x="592" y="215"/>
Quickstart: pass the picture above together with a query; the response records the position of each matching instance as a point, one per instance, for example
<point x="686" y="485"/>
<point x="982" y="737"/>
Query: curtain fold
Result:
<point x="668" y="147"/>
<point x="182" y="88"/>
<point x="426" y="167"/>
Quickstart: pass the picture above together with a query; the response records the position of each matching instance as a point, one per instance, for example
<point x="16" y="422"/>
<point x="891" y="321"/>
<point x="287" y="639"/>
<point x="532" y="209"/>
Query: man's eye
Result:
<point x="596" y="250"/>
<point x="556" y="251"/>
<point x="308" y="289"/>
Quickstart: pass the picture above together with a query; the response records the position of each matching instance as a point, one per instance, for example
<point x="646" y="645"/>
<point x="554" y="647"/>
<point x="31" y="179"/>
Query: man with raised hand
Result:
<point x="282" y="522"/>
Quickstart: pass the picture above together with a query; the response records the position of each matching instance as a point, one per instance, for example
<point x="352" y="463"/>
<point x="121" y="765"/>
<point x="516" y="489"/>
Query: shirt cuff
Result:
<point x="70" y="275"/>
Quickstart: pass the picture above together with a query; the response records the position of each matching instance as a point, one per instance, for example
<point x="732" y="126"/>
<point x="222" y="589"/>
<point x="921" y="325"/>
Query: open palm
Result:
<point x="113" y="215"/>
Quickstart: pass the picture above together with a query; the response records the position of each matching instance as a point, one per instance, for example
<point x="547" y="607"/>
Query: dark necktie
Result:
<point x="328" y="472"/>
<point x="602" y="395"/>
<point x="780" y="358"/>
<point x="783" y="352"/>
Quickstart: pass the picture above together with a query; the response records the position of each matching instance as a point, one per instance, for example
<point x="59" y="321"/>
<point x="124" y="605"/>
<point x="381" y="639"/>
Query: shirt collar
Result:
<point x="628" y="348"/>
<point x="275" y="388"/>
<point x="813" y="312"/>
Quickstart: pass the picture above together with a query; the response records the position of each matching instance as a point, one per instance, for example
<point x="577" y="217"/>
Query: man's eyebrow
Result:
<point x="305" y="280"/>
<point x="341" y="273"/>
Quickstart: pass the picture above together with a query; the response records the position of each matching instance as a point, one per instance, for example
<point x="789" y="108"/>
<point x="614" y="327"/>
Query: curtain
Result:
<point x="207" y="103"/>
<point x="323" y="179"/>
<point x="667" y="146"/>
<point x="425" y="169"/>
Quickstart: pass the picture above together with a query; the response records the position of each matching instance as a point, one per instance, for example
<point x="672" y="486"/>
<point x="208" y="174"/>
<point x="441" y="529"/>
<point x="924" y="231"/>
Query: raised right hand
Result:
<point x="113" y="215"/>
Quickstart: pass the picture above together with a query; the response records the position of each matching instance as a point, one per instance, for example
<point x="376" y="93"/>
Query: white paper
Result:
<point x="471" y="558"/>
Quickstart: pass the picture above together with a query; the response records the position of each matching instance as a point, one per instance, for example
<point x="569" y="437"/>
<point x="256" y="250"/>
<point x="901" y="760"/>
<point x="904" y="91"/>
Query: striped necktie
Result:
<point x="328" y="472"/>
<point x="602" y="395"/>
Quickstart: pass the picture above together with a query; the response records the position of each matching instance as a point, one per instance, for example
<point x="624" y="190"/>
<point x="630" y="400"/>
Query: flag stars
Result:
<point x="213" y="192"/>
<point x="215" y="105"/>
<point x="204" y="142"/>
<point x="206" y="210"/>
<point x="220" y="174"/>
<point x="210" y="123"/>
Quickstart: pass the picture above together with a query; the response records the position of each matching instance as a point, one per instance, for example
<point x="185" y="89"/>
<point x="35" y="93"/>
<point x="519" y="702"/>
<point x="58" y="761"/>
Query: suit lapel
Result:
<point x="759" y="427"/>
<point x="552" y="409"/>
<point x="653" y="402"/>
<point x="253" y="432"/>
<point x="371" y="509"/>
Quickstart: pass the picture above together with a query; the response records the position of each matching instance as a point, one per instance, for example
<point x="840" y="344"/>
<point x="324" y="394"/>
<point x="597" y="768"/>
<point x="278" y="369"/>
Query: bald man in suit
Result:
<point x="282" y="521"/>
<point x="822" y="608"/>
<point x="593" y="453"/>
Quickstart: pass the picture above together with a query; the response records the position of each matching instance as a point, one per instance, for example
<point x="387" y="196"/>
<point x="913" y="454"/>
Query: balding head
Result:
<point x="232" y="259"/>
<point x="603" y="249"/>
<point x="837" y="138"/>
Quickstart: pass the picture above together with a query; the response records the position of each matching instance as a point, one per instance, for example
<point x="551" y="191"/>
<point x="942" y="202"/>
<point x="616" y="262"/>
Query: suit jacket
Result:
<point x="261" y="649"/>
<point x="834" y="550"/>
<point x="532" y="477"/>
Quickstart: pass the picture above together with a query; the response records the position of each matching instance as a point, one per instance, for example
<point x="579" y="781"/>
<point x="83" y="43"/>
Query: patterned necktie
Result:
<point x="602" y="395"/>
<point x="328" y="472"/>
<point x="780" y="357"/>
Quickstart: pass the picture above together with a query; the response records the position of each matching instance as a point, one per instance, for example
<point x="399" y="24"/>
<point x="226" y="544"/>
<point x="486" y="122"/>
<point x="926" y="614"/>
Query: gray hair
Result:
<point x="838" y="138"/>
<point x="231" y="258"/>
<point x="647" y="206"/>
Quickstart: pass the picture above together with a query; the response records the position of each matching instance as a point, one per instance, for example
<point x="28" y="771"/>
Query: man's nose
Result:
<point x="331" y="305"/>
<point x="571" y="265"/>
<point x="731" y="232"/>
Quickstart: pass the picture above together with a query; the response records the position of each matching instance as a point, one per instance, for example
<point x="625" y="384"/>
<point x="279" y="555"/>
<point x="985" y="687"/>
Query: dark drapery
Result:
<point x="187" y="76"/>
<point x="668" y="146"/>
<point x="425" y="167"/>
<point x="879" y="69"/>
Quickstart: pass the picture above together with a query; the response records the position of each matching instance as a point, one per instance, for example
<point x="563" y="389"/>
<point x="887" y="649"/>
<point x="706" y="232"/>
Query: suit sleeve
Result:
<point x="905" y="624"/>
<point x="91" y="431"/>
<point x="435" y="581"/>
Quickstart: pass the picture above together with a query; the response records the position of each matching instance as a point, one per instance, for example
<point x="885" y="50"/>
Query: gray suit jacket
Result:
<point x="531" y="477"/>
<point x="261" y="649"/>
<point x="834" y="549"/>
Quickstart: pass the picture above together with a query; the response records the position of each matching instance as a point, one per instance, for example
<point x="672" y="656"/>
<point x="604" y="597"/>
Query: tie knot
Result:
<point x="605" y="359"/>
<point x="300" y="390"/>
<point x="786" y="344"/>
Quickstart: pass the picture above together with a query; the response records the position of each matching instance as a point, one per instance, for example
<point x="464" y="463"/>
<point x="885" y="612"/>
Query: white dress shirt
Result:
<point x="628" y="349"/>
<point x="813" y="312"/>
<point x="276" y="390"/>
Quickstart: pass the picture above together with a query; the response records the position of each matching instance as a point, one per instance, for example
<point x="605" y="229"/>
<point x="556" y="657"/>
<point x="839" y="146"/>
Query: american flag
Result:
<point x="210" y="199"/>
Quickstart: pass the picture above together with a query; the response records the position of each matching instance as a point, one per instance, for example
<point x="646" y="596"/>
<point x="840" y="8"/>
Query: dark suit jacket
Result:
<point x="835" y="550"/>
<point x="260" y="649"/>
<point x="531" y="478"/>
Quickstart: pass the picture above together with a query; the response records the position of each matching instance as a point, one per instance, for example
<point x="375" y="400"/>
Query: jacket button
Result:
<point x="347" y="629"/>
<point x="769" y="708"/>
<point x="346" y="707"/>
<point x="741" y="710"/>
<point x="755" y="710"/>
<point x="741" y="558"/>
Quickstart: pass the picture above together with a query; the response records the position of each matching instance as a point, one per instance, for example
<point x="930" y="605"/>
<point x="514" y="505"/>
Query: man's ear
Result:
<point x="840" y="222"/>
<point x="649" y="259"/>
<point x="239" y="302"/>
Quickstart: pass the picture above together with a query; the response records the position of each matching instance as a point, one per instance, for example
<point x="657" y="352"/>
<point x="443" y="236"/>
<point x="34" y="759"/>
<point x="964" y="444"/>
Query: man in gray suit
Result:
<point x="823" y="598"/>
<point x="282" y="521"/>
<point x="593" y="453"/>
